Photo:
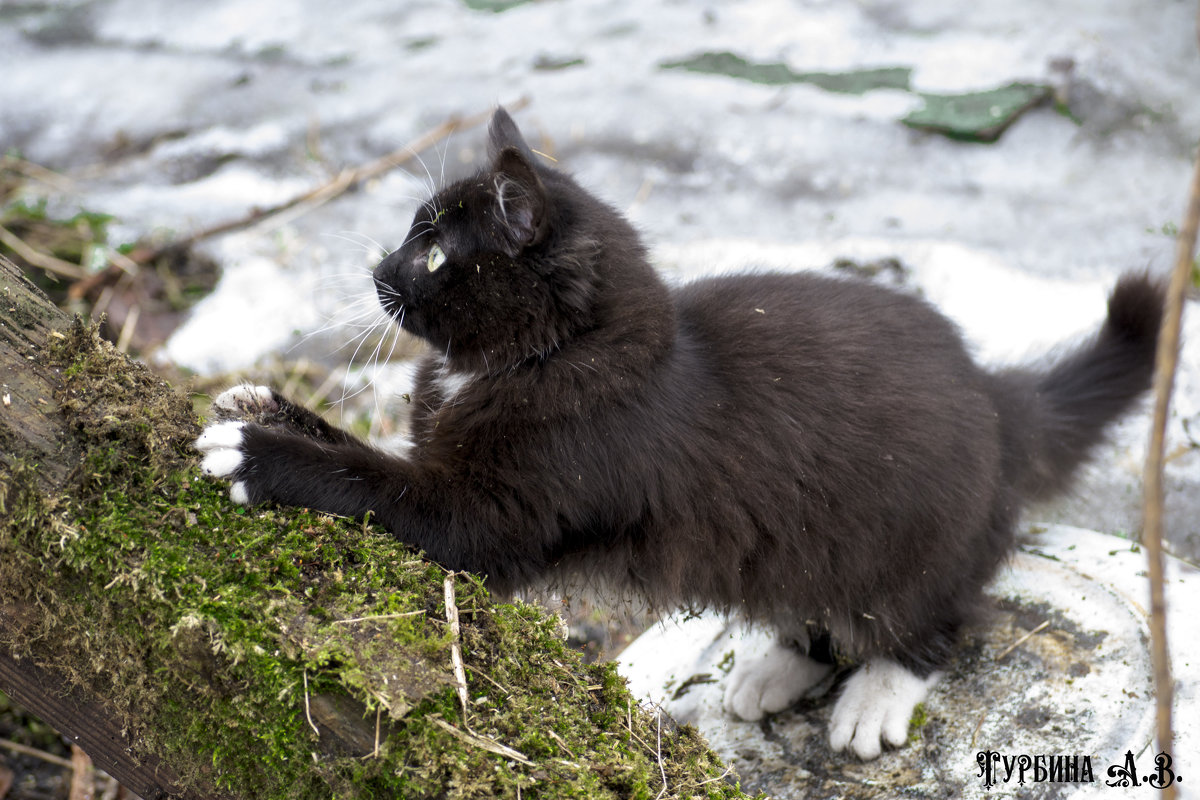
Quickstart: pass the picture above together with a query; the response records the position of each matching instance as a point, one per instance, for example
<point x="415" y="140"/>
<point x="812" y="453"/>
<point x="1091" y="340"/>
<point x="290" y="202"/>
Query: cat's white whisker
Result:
<point x="361" y="339"/>
<point x="344" y="320"/>
<point x="445" y="152"/>
<point x="417" y="232"/>
<point x="429" y="175"/>
<point x="373" y="249"/>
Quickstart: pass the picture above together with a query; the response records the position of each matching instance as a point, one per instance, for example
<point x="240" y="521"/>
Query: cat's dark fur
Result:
<point x="821" y="455"/>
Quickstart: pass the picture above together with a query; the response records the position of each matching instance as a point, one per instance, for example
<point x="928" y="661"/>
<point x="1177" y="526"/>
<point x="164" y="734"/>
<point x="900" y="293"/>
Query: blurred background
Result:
<point x="218" y="178"/>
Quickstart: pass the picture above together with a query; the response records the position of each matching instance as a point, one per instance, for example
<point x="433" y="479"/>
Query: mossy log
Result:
<point x="198" y="649"/>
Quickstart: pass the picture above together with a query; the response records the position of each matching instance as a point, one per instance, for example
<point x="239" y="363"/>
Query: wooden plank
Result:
<point x="88" y="724"/>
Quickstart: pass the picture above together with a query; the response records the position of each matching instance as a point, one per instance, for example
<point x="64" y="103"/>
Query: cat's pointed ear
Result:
<point x="503" y="134"/>
<point x="521" y="203"/>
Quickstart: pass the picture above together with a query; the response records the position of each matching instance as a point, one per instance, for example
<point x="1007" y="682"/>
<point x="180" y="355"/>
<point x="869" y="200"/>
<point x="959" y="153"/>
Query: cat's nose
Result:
<point x="388" y="271"/>
<point x="387" y="265"/>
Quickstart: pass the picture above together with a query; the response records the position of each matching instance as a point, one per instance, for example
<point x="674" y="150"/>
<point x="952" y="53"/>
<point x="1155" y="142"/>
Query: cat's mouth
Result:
<point x="390" y="300"/>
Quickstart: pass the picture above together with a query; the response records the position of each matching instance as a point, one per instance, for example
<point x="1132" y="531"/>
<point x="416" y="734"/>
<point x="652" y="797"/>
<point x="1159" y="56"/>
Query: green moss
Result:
<point x="920" y="718"/>
<point x="224" y="635"/>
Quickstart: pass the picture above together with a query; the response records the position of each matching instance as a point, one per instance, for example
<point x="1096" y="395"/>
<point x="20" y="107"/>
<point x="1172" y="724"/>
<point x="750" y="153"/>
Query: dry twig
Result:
<point x="1166" y="363"/>
<point x="52" y="264"/>
<point x="83" y="779"/>
<point x="489" y="679"/>
<point x="342" y="182"/>
<point x="26" y="750"/>
<point x="37" y="172"/>
<point x="456" y="659"/>
<point x="300" y="204"/>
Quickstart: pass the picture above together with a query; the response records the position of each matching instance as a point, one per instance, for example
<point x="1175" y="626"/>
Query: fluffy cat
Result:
<point x="818" y="455"/>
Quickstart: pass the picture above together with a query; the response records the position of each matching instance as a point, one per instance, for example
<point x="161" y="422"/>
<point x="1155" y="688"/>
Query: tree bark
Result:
<point x="197" y="649"/>
<point x="30" y="426"/>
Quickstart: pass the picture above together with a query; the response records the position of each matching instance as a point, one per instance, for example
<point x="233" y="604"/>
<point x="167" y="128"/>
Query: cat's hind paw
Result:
<point x="771" y="682"/>
<point x="245" y="400"/>
<point x="221" y="445"/>
<point x="875" y="706"/>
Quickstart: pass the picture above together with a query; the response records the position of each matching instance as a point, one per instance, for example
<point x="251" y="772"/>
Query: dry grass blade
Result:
<point x="308" y="709"/>
<point x="492" y="681"/>
<point x="483" y="743"/>
<point x="378" y="717"/>
<point x="728" y="771"/>
<point x="374" y="617"/>
<point x="658" y="755"/>
<point x="128" y="328"/>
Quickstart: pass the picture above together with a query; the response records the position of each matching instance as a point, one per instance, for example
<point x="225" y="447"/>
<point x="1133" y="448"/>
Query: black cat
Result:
<point x="818" y="455"/>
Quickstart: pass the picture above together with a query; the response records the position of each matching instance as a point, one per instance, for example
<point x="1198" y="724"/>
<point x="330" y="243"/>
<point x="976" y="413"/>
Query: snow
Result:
<point x="244" y="319"/>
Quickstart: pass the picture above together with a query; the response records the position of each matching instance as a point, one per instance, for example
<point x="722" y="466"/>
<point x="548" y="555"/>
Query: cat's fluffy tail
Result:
<point x="1053" y="417"/>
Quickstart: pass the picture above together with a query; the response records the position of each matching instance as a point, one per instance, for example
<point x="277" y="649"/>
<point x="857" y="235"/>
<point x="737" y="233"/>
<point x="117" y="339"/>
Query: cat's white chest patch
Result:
<point x="449" y="385"/>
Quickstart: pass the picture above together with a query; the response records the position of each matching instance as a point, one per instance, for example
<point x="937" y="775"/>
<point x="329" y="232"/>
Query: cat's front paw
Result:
<point x="224" y="457"/>
<point x="245" y="400"/>
<point x="770" y="683"/>
<point x="875" y="706"/>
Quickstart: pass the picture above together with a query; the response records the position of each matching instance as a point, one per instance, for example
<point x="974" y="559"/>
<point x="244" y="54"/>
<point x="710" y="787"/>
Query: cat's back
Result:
<point x="820" y="327"/>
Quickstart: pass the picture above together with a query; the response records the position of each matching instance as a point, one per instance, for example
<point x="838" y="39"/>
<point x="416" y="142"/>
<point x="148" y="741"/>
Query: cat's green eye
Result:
<point x="436" y="258"/>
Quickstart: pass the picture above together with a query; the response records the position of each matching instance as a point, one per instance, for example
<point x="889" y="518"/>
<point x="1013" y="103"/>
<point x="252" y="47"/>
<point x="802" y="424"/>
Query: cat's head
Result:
<point x="501" y="266"/>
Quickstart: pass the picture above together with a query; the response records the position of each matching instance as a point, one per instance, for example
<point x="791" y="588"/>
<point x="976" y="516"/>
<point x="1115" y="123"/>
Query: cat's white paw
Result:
<point x="771" y="682"/>
<point x="875" y="706"/>
<point x="221" y="444"/>
<point x="246" y="399"/>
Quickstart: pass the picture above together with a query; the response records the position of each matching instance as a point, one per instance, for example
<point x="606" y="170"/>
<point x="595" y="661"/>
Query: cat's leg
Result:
<point x="455" y="522"/>
<point x="875" y="706"/>
<point x="268" y="407"/>
<point x="278" y="464"/>
<point x="773" y="681"/>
